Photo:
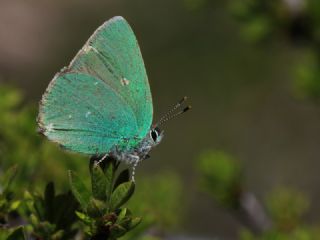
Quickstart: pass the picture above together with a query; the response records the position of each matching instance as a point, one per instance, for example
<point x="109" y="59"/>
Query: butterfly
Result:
<point x="101" y="103"/>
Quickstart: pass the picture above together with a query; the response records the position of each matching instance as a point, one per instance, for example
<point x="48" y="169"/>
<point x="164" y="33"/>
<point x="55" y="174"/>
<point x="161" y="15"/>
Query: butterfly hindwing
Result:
<point x="73" y="113"/>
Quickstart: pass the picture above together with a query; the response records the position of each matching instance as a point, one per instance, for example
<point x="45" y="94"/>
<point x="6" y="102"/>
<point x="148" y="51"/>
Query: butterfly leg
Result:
<point x="97" y="163"/>
<point x="135" y="164"/>
<point x="136" y="160"/>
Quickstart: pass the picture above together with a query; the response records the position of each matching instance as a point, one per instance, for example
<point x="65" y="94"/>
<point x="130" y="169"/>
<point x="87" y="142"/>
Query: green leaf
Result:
<point x="129" y="223"/>
<point x="39" y="207"/>
<point x="125" y="223"/>
<point x="83" y="217"/>
<point x="134" y="222"/>
<point x="79" y="190"/>
<point x="124" y="176"/>
<point x="117" y="231"/>
<point x="49" y="196"/>
<point x="64" y="209"/>
<point x="96" y="208"/>
<point x="14" y="205"/>
<point x="34" y="220"/>
<point x="122" y="215"/>
<point x="121" y="194"/>
<point x="99" y="183"/>
<point x="47" y="228"/>
<point x="8" y="178"/>
<point x="17" y="234"/>
<point x="109" y="174"/>
<point x="58" y="235"/>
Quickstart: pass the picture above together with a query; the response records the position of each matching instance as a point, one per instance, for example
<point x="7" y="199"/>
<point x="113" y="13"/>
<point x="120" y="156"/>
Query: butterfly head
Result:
<point x="156" y="134"/>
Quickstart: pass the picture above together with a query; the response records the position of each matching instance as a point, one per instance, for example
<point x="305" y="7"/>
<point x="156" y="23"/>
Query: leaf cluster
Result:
<point x="51" y="216"/>
<point x="8" y="207"/>
<point x="8" y="203"/>
<point x="102" y="212"/>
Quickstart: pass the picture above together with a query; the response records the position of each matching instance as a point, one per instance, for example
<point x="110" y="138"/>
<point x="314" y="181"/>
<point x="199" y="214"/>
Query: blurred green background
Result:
<point x="233" y="59"/>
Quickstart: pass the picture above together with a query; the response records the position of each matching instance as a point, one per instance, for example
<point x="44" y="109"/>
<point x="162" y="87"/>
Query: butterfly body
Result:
<point x="141" y="150"/>
<point x="101" y="103"/>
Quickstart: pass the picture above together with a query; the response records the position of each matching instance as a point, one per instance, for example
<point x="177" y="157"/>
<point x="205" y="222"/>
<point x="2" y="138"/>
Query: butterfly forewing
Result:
<point x="112" y="54"/>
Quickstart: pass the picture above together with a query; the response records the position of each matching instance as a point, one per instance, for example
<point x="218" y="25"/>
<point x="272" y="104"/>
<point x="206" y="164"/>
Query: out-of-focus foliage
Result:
<point x="8" y="207"/>
<point x="8" y="202"/>
<point x="298" y="22"/>
<point x="50" y="216"/>
<point x="13" y="234"/>
<point x="286" y="207"/>
<point x="259" y="18"/>
<point x="307" y="83"/>
<point x="221" y="176"/>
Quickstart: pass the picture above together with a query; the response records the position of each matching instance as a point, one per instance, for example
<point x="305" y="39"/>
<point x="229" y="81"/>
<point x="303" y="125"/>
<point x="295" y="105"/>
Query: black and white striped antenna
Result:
<point x="170" y="114"/>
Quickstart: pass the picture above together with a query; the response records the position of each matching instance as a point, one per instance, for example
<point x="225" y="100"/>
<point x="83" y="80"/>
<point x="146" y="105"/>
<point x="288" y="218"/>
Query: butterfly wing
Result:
<point x="103" y="98"/>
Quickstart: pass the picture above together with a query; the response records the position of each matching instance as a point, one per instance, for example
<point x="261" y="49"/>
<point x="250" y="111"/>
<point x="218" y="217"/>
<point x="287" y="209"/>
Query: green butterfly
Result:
<point x="101" y="103"/>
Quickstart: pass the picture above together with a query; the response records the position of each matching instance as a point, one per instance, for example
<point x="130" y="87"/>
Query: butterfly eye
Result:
<point x="154" y="135"/>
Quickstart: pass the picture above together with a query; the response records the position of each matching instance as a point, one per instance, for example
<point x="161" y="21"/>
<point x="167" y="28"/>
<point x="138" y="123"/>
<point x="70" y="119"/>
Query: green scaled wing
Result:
<point x="102" y="98"/>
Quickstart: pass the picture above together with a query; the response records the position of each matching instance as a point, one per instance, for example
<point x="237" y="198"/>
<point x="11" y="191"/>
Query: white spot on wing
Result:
<point x="124" y="81"/>
<point x="50" y="127"/>
<point x="70" y="116"/>
<point x="96" y="83"/>
<point x="87" y="114"/>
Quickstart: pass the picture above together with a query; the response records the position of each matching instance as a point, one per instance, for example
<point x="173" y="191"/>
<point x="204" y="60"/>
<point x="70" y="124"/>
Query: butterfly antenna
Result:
<point x="169" y="115"/>
<point x="178" y="104"/>
<point x="174" y="115"/>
